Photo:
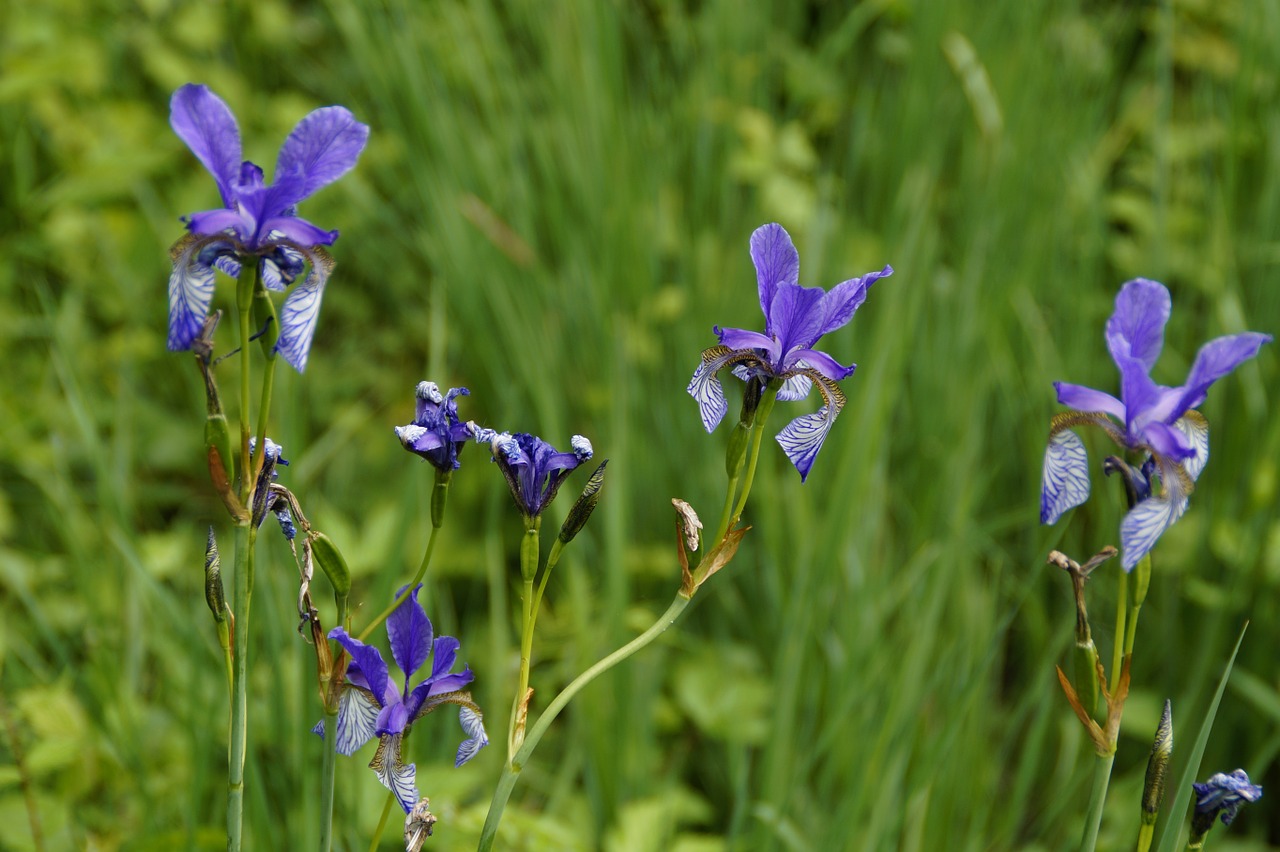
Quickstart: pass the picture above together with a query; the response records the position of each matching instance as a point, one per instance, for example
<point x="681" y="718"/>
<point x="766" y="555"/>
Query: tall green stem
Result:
<point x="512" y="770"/>
<point x="529" y="558"/>
<point x="327" y="773"/>
<point x="1097" y="798"/>
<point x="239" y="691"/>
<point x="757" y="439"/>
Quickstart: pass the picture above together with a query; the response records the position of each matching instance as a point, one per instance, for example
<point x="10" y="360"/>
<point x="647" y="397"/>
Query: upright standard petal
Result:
<point x="368" y="659"/>
<point x="1136" y="329"/>
<point x="842" y="300"/>
<point x="1216" y="359"/>
<point x="301" y="310"/>
<point x="410" y="634"/>
<point x="323" y="147"/>
<point x="795" y="319"/>
<point x="206" y="124"/>
<point x="776" y="260"/>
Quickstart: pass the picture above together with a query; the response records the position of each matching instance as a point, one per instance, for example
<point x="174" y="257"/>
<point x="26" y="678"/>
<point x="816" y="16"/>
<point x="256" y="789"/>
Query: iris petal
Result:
<point x="705" y="387"/>
<point x="1136" y="329"/>
<point x="397" y="777"/>
<point x="473" y="726"/>
<point x="1082" y="398"/>
<point x="322" y="148"/>
<point x="301" y="310"/>
<point x="410" y="633"/>
<point x="1216" y="359"/>
<point x="190" y="290"/>
<point x="776" y="260"/>
<point x="367" y="658"/>
<point x="795" y="388"/>
<point x="802" y="438"/>
<point x="1064" y="483"/>
<point x="842" y="300"/>
<point x="1143" y="526"/>
<point x="203" y="121"/>
<point x="357" y="719"/>
<point x="1196" y="428"/>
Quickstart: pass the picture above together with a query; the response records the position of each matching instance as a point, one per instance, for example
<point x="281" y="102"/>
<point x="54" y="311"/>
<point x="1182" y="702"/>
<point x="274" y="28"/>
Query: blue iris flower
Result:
<point x="1222" y="796"/>
<point x="1148" y="418"/>
<point x="371" y="704"/>
<point x="435" y="433"/>
<point x="257" y="218"/>
<point x="533" y="468"/>
<point x="795" y="318"/>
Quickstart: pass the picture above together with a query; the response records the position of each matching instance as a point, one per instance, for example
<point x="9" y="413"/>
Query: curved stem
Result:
<point x="408" y="590"/>
<point x="512" y="770"/>
<point x="382" y="823"/>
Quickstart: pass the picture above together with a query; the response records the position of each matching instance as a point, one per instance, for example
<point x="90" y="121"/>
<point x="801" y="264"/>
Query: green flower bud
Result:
<point x="331" y="562"/>
<point x="585" y="505"/>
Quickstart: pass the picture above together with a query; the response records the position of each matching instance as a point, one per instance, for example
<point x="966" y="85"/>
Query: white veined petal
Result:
<point x="795" y="388"/>
<point x="1196" y="428"/>
<point x="1144" y="525"/>
<point x="301" y="310"/>
<point x="802" y="438"/>
<point x="473" y="725"/>
<point x="397" y="777"/>
<point x="1064" y="483"/>
<point x="190" y="292"/>
<point x="357" y="719"/>
<point x="705" y="388"/>
<point x="228" y="264"/>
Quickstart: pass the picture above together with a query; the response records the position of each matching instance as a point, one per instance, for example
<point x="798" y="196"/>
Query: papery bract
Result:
<point x="795" y="318"/>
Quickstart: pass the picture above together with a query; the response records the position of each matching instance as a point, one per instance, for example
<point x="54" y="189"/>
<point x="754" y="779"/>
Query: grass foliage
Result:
<point x="554" y="210"/>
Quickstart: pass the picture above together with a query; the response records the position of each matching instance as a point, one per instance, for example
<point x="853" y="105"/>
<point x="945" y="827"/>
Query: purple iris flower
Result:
<point x="1223" y="795"/>
<point x="371" y="704"/>
<point x="795" y="318"/>
<point x="534" y="469"/>
<point x="256" y="218"/>
<point x="435" y="433"/>
<point x="1149" y="418"/>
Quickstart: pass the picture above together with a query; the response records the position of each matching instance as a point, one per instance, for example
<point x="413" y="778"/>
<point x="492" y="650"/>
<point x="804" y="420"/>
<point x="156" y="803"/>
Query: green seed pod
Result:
<point x="586" y="504"/>
<point x="330" y="560"/>
<point x="1085" y="674"/>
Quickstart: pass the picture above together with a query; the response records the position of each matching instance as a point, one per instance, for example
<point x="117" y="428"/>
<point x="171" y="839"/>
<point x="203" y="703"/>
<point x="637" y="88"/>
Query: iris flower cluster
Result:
<point x="1159" y="422"/>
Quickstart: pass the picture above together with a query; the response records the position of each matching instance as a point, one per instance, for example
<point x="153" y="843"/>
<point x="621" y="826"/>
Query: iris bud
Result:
<point x="332" y="563"/>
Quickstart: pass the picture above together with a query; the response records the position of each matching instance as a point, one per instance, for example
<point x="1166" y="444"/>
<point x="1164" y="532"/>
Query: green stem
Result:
<point x="1146" y="832"/>
<point x="529" y="557"/>
<point x="382" y="823"/>
<point x="512" y="770"/>
<point x="239" y="683"/>
<point x="757" y="439"/>
<point x="245" y="284"/>
<point x="1097" y="798"/>
<point x="1122" y="610"/>
<point x="327" y="773"/>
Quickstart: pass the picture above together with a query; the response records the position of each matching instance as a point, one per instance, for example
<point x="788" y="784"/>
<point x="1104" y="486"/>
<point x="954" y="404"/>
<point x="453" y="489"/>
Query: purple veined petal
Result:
<point x="815" y="359"/>
<point x="368" y="659"/>
<point x="1064" y="481"/>
<point x="1082" y="398"/>
<point x="705" y="388"/>
<point x="795" y="318"/>
<point x="276" y="200"/>
<point x="1196" y="428"/>
<point x="410" y="633"/>
<point x="842" y="300"/>
<point x="190" y="290"/>
<point x="301" y="310"/>
<point x="802" y="438"/>
<point x="777" y="262"/>
<point x="1143" y="526"/>
<point x="227" y="264"/>
<point x="795" y="388"/>
<point x="323" y="147"/>
<point x="1136" y="328"/>
<point x="451" y="682"/>
<point x="205" y="123"/>
<point x="443" y="655"/>
<point x="1216" y="359"/>
<point x="741" y="338"/>
<point x="473" y="726"/>
<point x="418" y="439"/>
<point x="397" y="777"/>
<point x="300" y="231"/>
<point x="357" y="719"/>
<point x="281" y="266"/>
<point x="220" y="221"/>
<point x="393" y="717"/>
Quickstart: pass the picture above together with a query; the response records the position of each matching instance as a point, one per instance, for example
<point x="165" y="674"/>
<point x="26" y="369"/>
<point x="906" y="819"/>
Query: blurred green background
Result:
<point x="553" y="210"/>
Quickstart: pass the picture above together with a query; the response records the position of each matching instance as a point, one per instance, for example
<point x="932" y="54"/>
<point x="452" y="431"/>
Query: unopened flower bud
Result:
<point x="1158" y="767"/>
<point x="585" y="505"/>
<point x="214" y="595"/>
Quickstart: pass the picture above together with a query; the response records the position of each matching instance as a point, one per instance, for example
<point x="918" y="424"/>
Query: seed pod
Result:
<point x="331" y="562"/>
<point x="585" y="505"/>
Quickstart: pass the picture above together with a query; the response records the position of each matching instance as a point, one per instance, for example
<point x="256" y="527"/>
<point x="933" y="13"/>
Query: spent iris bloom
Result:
<point x="1158" y="421"/>
<point x="795" y="318"/>
<point x="257" y="219"/>
<point x="435" y="433"/>
<point x="371" y="705"/>
<point x="533" y="468"/>
<point x="1222" y="796"/>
